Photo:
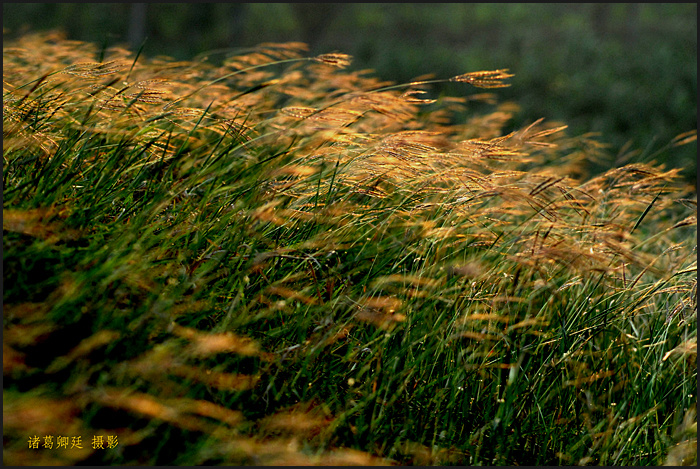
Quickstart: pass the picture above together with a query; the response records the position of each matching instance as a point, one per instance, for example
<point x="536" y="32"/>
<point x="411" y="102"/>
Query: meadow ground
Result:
<point x="278" y="260"/>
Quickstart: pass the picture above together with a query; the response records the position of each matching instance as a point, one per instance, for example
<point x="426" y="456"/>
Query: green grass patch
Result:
<point x="280" y="261"/>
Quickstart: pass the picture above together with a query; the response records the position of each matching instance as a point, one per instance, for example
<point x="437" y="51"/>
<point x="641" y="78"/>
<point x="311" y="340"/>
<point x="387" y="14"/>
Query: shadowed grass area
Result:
<point x="279" y="261"/>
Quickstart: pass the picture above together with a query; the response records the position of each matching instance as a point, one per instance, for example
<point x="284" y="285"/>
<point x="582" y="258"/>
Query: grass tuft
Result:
<point x="282" y="261"/>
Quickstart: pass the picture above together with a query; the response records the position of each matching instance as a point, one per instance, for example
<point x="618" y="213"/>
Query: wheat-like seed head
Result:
<point x="94" y="70"/>
<point x="335" y="59"/>
<point x="485" y="79"/>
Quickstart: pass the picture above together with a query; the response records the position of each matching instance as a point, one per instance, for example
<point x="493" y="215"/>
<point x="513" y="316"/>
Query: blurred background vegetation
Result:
<point x="627" y="71"/>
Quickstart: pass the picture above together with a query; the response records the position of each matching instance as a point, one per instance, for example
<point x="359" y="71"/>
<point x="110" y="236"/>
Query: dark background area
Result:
<point x="627" y="70"/>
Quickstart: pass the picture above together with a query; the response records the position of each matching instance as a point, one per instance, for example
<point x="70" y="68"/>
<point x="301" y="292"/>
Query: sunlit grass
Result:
<point x="279" y="261"/>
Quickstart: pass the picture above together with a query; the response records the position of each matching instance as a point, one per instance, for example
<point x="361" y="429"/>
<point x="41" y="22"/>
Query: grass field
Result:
<point x="283" y="260"/>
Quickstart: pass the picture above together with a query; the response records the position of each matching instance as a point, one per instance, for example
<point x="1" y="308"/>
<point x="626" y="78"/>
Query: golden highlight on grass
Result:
<point x="335" y="59"/>
<point x="485" y="79"/>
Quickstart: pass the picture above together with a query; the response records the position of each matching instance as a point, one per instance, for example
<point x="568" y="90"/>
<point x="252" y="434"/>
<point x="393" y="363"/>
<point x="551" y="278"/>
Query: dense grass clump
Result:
<point x="279" y="261"/>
